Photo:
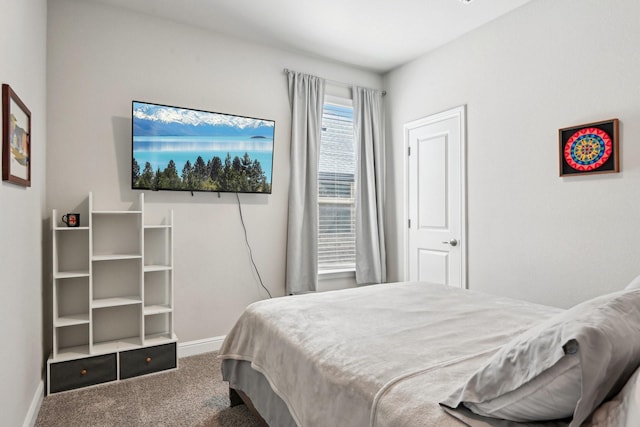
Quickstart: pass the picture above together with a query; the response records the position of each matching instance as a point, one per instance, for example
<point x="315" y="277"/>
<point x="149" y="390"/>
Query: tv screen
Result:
<point x="176" y="148"/>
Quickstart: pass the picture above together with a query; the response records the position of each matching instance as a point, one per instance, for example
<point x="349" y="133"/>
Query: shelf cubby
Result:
<point x="117" y="278"/>
<point x="72" y="301"/>
<point x="116" y="234"/>
<point x="117" y="323"/>
<point x="157" y="326"/>
<point x="71" y="341"/>
<point x="71" y="251"/>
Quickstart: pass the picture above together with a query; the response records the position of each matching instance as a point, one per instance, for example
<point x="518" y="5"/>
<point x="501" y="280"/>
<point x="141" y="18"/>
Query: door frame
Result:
<point x="460" y="113"/>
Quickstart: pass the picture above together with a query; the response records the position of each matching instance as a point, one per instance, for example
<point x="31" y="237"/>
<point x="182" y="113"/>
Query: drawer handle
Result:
<point x="148" y="360"/>
<point x="83" y="372"/>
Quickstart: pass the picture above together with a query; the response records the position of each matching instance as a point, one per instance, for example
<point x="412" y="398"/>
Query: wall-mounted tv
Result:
<point x="183" y="149"/>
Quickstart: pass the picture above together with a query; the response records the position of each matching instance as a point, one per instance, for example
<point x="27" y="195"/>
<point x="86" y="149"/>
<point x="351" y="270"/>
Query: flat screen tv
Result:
<point x="183" y="149"/>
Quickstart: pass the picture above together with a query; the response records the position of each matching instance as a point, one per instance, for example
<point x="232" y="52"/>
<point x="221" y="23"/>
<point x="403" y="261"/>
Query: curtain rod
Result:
<point x="337" y="83"/>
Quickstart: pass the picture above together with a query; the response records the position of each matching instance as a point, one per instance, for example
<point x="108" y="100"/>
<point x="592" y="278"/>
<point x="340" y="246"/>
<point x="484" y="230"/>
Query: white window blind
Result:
<point x="336" y="185"/>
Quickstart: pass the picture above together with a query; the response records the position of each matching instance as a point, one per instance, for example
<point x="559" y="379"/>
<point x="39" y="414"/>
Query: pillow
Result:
<point x="621" y="411"/>
<point x="635" y="284"/>
<point x="583" y="355"/>
<point x="552" y="395"/>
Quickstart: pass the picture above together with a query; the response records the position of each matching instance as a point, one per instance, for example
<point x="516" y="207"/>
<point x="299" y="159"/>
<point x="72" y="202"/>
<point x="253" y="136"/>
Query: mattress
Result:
<point x="381" y="355"/>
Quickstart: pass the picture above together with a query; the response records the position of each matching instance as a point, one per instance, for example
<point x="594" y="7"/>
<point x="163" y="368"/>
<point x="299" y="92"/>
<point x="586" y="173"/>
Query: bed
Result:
<point x="418" y="354"/>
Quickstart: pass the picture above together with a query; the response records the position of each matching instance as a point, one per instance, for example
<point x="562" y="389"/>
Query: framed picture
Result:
<point x="16" y="139"/>
<point x="589" y="148"/>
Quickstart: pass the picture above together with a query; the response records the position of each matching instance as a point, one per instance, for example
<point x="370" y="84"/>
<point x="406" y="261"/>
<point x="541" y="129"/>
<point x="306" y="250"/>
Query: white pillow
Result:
<point x="635" y="284"/>
<point x="513" y="383"/>
<point x="552" y="395"/>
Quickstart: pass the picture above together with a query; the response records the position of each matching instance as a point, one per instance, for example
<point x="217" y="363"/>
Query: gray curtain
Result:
<point x="368" y="118"/>
<point x="306" y="97"/>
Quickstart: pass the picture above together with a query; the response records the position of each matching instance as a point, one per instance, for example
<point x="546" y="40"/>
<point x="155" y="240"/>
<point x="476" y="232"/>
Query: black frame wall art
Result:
<point x="589" y="149"/>
<point x="16" y="139"/>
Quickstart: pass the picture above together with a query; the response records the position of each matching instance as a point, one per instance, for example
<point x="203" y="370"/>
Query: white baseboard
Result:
<point x="34" y="408"/>
<point x="191" y="348"/>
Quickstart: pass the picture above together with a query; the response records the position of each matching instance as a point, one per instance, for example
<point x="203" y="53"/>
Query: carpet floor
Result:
<point x="191" y="396"/>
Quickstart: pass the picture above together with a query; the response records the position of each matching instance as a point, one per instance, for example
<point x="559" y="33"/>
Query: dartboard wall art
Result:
<point x="590" y="148"/>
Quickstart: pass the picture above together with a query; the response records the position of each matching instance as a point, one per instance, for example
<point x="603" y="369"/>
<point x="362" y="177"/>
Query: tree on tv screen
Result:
<point x="237" y="174"/>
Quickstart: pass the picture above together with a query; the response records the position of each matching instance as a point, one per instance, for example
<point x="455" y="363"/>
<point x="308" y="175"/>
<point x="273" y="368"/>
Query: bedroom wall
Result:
<point x="23" y="67"/>
<point x="101" y="58"/>
<point x="547" y="65"/>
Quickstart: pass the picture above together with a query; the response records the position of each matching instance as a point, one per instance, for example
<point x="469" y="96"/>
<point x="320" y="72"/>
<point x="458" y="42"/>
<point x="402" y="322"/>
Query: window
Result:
<point x="336" y="188"/>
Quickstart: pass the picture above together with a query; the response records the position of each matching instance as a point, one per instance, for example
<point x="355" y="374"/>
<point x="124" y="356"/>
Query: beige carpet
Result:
<point x="193" y="395"/>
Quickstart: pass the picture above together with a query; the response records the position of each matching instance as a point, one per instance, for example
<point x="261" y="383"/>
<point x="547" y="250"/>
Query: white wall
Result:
<point x="101" y="58"/>
<point x="548" y="65"/>
<point x="23" y="67"/>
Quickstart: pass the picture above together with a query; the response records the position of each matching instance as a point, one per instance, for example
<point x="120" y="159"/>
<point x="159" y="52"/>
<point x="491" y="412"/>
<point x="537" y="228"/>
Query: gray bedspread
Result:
<point x="381" y="355"/>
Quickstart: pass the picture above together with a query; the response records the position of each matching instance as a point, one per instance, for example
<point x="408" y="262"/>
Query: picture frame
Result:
<point x="591" y="148"/>
<point x="16" y="139"/>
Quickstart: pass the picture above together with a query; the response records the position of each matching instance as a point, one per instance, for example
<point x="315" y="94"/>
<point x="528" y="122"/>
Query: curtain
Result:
<point x="368" y="121"/>
<point x="306" y="98"/>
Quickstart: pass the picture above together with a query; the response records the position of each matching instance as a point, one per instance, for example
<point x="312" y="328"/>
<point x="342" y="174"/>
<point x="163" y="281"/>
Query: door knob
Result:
<point x="452" y="242"/>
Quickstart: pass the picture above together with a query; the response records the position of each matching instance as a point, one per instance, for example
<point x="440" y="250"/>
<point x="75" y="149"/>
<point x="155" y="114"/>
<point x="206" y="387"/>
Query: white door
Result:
<point x="436" y="198"/>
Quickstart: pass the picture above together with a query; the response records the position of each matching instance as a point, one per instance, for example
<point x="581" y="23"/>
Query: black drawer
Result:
<point x="82" y="372"/>
<point x="147" y="360"/>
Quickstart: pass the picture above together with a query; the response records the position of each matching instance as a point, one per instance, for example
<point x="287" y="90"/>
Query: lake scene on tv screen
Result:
<point x="185" y="149"/>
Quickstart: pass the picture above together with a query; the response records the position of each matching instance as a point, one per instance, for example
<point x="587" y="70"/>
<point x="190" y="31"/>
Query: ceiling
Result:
<point x="376" y="35"/>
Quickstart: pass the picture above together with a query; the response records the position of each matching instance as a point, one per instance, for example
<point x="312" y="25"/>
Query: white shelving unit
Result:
<point x="112" y="297"/>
